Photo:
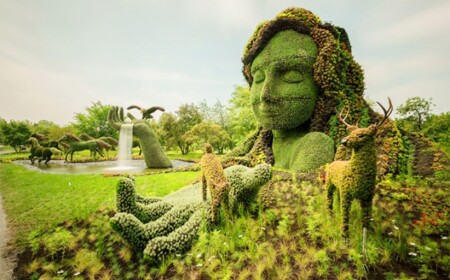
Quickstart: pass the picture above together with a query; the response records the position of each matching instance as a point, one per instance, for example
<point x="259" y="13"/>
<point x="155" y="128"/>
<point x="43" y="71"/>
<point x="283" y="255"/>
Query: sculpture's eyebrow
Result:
<point x="301" y="61"/>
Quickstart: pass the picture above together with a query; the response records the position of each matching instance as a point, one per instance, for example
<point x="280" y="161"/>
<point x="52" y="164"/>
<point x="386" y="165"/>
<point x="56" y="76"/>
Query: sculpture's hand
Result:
<point x="116" y="118"/>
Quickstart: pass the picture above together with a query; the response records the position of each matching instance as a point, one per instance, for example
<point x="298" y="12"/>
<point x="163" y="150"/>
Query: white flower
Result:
<point x="200" y="265"/>
<point x="263" y="228"/>
<point x="76" y="273"/>
<point x="178" y="255"/>
<point x="396" y="227"/>
<point x="371" y="219"/>
<point x="240" y="235"/>
<point x="224" y="243"/>
<point x="444" y="237"/>
<point x="60" y="271"/>
<point x="212" y="257"/>
<point x="412" y="254"/>
<point x="428" y="248"/>
<point x="199" y="255"/>
<point x="390" y="233"/>
<point x="393" y="221"/>
<point x="189" y="254"/>
<point x="412" y="243"/>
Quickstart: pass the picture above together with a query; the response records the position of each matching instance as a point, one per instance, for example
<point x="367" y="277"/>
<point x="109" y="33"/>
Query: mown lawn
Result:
<point x="34" y="200"/>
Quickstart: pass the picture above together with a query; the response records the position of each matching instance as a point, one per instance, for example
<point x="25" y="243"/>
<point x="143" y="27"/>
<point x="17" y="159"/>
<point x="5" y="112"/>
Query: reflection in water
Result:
<point x="101" y="167"/>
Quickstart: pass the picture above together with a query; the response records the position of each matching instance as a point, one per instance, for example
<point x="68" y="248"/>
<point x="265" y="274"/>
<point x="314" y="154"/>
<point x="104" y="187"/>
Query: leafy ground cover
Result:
<point x="61" y="224"/>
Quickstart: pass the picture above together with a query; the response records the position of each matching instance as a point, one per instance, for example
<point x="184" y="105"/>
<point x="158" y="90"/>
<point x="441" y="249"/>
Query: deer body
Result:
<point x="355" y="178"/>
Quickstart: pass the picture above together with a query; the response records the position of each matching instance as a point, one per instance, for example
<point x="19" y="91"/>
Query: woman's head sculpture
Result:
<point x="300" y="71"/>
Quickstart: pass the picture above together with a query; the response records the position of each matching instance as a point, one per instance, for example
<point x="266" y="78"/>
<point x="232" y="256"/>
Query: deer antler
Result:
<point x="387" y="112"/>
<point x="343" y="119"/>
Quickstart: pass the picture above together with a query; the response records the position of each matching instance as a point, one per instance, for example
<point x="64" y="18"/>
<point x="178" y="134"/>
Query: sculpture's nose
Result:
<point x="344" y="142"/>
<point x="267" y="90"/>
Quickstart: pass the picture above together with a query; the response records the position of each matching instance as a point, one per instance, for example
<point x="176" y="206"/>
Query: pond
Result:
<point x="100" y="167"/>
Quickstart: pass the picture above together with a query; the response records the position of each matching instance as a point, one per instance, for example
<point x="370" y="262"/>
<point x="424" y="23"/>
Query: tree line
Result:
<point x="223" y="126"/>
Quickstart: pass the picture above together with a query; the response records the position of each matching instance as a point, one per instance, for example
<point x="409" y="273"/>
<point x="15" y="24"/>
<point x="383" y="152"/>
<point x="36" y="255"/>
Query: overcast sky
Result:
<point x="57" y="57"/>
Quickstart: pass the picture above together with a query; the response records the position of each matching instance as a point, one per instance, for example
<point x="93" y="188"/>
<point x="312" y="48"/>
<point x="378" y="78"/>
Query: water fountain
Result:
<point x="125" y="156"/>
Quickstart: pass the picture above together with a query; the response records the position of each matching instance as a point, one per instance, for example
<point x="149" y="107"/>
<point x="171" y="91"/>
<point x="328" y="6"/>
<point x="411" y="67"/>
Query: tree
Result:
<point x="240" y="114"/>
<point x="210" y="133"/>
<point x="437" y="128"/>
<point x="16" y="133"/>
<point x="415" y="110"/>
<point x="174" y="127"/>
<point x="44" y="127"/>
<point x="215" y="114"/>
<point x="95" y="121"/>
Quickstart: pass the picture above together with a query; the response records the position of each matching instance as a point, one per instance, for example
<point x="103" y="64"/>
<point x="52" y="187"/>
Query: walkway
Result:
<point x="6" y="264"/>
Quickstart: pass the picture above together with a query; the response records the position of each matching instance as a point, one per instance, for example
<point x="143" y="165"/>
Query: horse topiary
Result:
<point x="42" y="153"/>
<point x="75" y="145"/>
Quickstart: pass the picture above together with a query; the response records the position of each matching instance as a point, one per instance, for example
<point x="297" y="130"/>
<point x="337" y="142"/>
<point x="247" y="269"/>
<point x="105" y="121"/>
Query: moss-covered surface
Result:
<point x="154" y="155"/>
<point x="293" y="239"/>
<point x="339" y="82"/>
<point x="213" y="178"/>
<point x="163" y="227"/>
<point x="355" y="178"/>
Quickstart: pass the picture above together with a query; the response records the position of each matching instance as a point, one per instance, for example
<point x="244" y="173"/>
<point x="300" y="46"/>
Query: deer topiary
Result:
<point x="355" y="178"/>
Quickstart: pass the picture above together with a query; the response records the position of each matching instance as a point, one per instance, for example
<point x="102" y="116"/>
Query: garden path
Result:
<point x="6" y="264"/>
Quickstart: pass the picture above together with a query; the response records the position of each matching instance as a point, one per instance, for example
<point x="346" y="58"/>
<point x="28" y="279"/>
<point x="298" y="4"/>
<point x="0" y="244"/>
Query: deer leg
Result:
<point x="345" y="212"/>
<point x="366" y="206"/>
<point x="330" y="191"/>
<point x="204" y="186"/>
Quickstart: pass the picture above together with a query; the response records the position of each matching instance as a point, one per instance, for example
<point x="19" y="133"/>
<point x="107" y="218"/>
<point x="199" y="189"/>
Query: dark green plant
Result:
<point x="355" y="178"/>
<point x="168" y="226"/>
<point x="154" y="155"/>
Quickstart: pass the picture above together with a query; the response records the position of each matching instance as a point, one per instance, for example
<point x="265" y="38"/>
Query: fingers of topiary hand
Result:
<point x="129" y="115"/>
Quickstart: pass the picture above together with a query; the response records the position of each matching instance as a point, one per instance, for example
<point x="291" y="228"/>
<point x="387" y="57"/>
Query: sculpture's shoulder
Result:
<point x="313" y="150"/>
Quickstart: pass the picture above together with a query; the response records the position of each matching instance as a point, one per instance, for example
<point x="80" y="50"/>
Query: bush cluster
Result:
<point x="161" y="227"/>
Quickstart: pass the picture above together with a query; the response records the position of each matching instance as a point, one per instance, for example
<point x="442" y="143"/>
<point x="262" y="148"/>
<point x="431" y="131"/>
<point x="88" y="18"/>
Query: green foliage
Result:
<point x="245" y="184"/>
<point x="95" y="121"/>
<point x="15" y="133"/>
<point x="174" y="127"/>
<point x="210" y="133"/>
<point x="172" y="230"/>
<point x="416" y="110"/>
<point x="437" y="129"/>
<point x="354" y="179"/>
<point x="240" y="113"/>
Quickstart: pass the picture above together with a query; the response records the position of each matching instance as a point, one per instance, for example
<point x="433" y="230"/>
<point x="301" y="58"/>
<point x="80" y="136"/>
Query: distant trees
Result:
<point x="173" y="127"/>
<point x="414" y="113"/>
<point x="210" y="133"/>
<point x="15" y="133"/>
<point x="240" y="114"/>
<point x="95" y="121"/>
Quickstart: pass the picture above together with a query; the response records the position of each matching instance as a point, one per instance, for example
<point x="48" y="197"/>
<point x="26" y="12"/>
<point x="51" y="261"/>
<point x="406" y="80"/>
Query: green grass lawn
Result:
<point x="62" y="224"/>
<point x="34" y="200"/>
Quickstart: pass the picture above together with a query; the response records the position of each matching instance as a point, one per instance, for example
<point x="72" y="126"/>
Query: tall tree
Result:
<point x="95" y="121"/>
<point x="44" y="127"/>
<point x="240" y="114"/>
<point x="437" y="128"/>
<point x="416" y="110"/>
<point x="16" y="133"/>
<point x="173" y="127"/>
<point x="210" y="133"/>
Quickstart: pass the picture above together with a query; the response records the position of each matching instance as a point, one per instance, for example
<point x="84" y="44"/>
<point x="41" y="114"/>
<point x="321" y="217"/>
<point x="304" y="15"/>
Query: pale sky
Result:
<point x="57" y="57"/>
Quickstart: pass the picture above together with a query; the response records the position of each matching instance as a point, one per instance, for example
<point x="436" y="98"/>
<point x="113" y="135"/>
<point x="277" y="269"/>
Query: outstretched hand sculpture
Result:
<point x="161" y="227"/>
<point x="146" y="113"/>
<point x="154" y="155"/>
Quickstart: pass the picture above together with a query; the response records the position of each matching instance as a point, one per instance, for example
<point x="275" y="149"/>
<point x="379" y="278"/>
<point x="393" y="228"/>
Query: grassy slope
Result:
<point x="34" y="201"/>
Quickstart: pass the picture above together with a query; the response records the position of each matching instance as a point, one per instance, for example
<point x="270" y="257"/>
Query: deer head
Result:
<point x="360" y="135"/>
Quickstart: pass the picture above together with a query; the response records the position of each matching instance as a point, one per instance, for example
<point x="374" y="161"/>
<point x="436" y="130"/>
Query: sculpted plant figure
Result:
<point x="146" y="113"/>
<point x="165" y="226"/>
<point x="76" y="145"/>
<point x="213" y="177"/>
<point x="355" y="178"/>
<point x="299" y="70"/>
<point x="42" y="153"/>
<point x="154" y="155"/>
<point x="109" y="140"/>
